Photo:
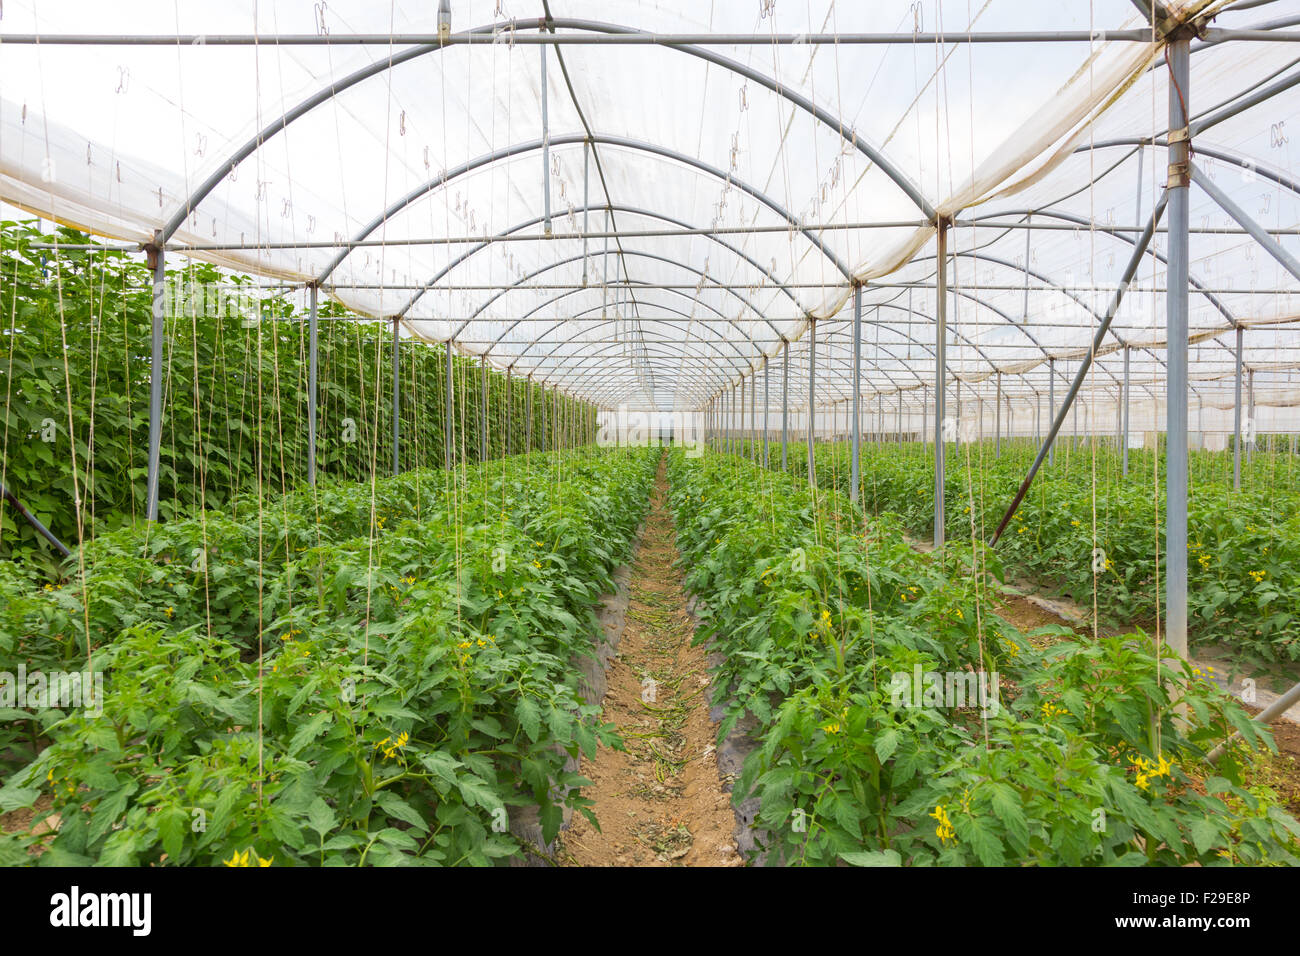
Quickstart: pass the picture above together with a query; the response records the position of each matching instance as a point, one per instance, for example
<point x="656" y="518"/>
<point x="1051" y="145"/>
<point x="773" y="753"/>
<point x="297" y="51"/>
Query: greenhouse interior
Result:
<point x="541" y="433"/>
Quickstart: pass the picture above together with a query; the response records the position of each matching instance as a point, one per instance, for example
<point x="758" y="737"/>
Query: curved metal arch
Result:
<point x="570" y="139"/>
<point x="612" y="207"/>
<point x="741" y="360"/>
<point x="962" y="290"/>
<point x="681" y="356"/>
<point x="514" y="286"/>
<point x="750" y="368"/>
<point x="1150" y="251"/>
<point x="659" y="353"/>
<point x="631" y="283"/>
<point x="540" y="24"/>
<point x="594" y="366"/>
<point x="740" y="357"/>
<point x="655" y="319"/>
<point x="834" y="360"/>
<point x="1214" y="152"/>
<point x="562" y="295"/>
<point x="1053" y="287"/>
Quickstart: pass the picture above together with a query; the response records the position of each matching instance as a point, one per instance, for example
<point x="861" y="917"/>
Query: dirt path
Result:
<point x="660" y="803"/>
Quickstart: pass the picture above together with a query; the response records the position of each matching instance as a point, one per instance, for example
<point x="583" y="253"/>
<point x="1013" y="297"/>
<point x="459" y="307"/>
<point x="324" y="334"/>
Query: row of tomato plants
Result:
<point x="75" y="379"/>
<point x="363" y="674"/>
<point x="1243" y="548"/>
<point x="825" y="618"/>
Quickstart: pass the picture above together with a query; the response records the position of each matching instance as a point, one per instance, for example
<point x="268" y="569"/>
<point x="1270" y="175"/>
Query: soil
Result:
<point x="1280" y="771"/>
<point x="20" y="821"/>
<point x="660" y="802"/>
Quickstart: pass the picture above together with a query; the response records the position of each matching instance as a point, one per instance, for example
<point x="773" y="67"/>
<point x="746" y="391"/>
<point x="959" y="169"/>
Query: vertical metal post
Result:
<point x="546" y="151"/>
<point x="767" y="410"/>
<point x="1236" y="418"/>
<point x="1127" y="399"/>
<point x="528" y="415"/>
<point x="997" y="419"/>
<point x="741" y="419"/>
<point x="156" y="257"/>
<point x="1176" y="338"/>
<point x="586" y="167"/>
<point x="397" y="398"/>
<point x="785" y="406"/>
<point x="812" y="399"/>
<point x="753" y="416"/>
<point x="940" y="373"/>
<point x="510" y="394"/>
<point x="311" y="387"/>
<point x="855" y="426"/>
<point x="482" y="436"/>
<point x="448" y="429"/>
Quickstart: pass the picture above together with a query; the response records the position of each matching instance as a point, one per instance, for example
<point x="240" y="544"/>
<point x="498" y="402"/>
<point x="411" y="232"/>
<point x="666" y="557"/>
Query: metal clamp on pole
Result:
<point x="1180" y="173"/>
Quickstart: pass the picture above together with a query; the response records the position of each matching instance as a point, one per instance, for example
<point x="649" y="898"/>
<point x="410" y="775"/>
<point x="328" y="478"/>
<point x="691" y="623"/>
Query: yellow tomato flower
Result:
<point x="944" y="831"/>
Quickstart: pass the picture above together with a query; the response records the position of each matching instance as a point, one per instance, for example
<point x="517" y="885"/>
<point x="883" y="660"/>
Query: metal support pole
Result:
<point x="311" y="387"/>
<point x="546" y="152"/>
<point x="34" y="521"/>
<point x="741" y="418"/>
<point x="1265" y="717"/>
<point x="397" y="398"/>
<point x="1127" y="399"/>
<point x="785" y="406"/>
<point x="156" y="258"/>
<point x="510" y="397"/>
<point x="940" y="373"/>
<point x="528" y="416"/>
<point x="753" y="417"/>
<point x="1177" y="55"/>
<point x="586" y="203"/>
<point x="448" y="423"/>
<point x="483" y="433"/>
<point x="767" y="411"/>
<point x="1058" y="419"/>
<point x="855" y="426"/>
<point x="1236" y="418"/>
<point x="812" y="399"/>
<point x="1257" y="232"/>
<point x="997" y="419"/>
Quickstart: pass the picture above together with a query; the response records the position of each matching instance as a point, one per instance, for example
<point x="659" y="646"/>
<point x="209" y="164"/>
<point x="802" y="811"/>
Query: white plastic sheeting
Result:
<point x="410" y="143"/>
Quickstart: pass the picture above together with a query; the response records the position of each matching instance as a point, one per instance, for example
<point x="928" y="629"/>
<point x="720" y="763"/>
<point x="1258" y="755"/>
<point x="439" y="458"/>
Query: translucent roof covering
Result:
<point x="709" y="194"/>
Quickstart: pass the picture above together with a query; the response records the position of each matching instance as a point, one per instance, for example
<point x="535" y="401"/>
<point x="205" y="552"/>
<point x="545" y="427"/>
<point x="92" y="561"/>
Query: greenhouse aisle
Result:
<point x="660" y="803"/>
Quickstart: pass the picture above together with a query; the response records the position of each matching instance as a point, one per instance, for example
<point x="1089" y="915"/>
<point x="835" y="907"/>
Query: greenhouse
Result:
<point x="633" y="433"/>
